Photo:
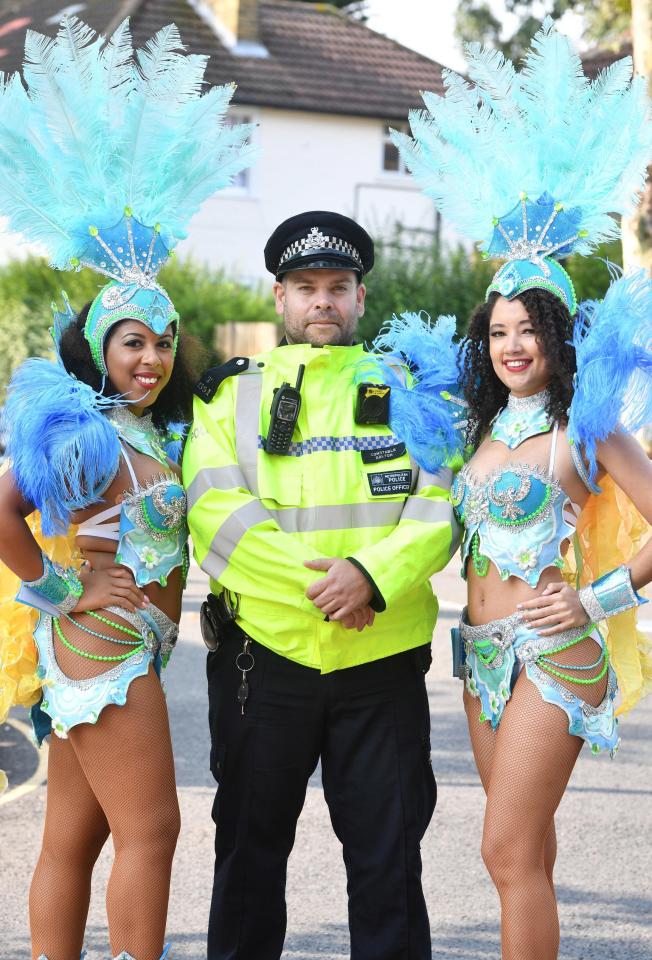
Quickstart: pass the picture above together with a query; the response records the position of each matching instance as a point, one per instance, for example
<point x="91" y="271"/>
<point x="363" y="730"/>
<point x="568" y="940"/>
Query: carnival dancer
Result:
<point x="112" y="156"/>
<point x="554" y="392"/>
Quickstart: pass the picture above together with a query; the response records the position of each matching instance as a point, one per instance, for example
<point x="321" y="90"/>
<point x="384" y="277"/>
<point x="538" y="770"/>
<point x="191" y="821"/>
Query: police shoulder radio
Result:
<point x="284" y="414"/>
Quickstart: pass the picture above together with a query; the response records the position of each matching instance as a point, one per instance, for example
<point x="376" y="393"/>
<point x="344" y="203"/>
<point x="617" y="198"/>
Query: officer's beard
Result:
<point x="338" y="332"/>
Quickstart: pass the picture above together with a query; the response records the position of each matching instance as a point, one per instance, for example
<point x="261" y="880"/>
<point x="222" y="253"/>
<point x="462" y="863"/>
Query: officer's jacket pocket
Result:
<point x="281" y="484"/>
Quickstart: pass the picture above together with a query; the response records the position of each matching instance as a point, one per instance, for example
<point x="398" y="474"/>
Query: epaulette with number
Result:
<point x="206" y="387"/>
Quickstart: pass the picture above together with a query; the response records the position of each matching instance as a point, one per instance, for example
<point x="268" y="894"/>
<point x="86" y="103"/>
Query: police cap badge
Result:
<point x="319" y="239"/>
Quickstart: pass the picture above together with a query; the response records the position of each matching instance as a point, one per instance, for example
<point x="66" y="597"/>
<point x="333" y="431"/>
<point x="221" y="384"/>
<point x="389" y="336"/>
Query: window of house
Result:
<point x="241" y="183"/>
<point x="391" y="159"/>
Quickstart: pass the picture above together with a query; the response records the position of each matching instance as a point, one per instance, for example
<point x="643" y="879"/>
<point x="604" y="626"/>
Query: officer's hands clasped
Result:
<point x="343" y="594"/>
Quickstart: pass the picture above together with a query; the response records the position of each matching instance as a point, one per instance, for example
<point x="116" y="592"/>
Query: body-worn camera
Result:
<point x="372" y="405"/>
<point x="284" y="414"/>
<point x="215" y="617"/>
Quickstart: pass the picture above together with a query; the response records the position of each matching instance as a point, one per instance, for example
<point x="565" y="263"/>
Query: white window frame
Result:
<point x="386" y="141"/>
<point x="242" y="185"/>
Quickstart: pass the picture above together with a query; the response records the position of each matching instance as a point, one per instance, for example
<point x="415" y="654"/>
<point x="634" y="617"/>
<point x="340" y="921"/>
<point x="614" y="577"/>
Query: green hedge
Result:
<point x="402" y="279"/>
<point x="455" y="281"/>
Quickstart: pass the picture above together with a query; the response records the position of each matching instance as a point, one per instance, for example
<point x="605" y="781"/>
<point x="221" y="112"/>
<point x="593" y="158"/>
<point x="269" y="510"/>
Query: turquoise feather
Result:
<point x="613" y="348"/>
<point x="101" y="129"/>
<point x="547" y="129"/>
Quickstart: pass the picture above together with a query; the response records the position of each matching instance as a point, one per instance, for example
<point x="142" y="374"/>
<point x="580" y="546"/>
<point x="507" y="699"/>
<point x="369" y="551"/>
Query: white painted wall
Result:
<point x="306" y="161"/>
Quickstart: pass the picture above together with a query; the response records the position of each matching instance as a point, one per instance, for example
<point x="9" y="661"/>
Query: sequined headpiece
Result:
<point x="560" y="153"/>
<point x="529" y="237"/>
<point x="114" y="188"/>
<point x="132" y="255"/>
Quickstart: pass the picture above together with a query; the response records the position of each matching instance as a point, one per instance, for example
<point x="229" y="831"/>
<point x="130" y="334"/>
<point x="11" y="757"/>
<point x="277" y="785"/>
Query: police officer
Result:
<point x="319" y="534"/>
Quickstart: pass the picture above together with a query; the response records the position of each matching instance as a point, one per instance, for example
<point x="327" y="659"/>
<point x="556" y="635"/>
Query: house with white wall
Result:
<point x="323" y="91"/>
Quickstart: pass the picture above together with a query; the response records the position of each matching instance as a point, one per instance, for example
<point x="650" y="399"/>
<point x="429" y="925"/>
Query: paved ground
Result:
<point x="604" y="827"/>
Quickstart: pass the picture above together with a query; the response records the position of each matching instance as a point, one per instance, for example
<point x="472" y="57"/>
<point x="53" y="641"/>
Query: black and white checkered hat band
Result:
<point x="307" y="245"/>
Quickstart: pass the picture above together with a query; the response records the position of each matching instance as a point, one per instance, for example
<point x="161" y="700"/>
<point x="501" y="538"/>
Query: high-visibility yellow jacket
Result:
<point x="255" y="517"/>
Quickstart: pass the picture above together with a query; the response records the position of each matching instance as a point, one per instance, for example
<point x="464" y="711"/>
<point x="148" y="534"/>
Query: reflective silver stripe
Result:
<point x="428" y="511"/>
<point x="214" y="478"/>
<point x="443" y="479"/>
<point x="230" y="534"/>
<point x="401" y="373"/>
<point x="339" y="516"/>
<point x="247" y="416"/>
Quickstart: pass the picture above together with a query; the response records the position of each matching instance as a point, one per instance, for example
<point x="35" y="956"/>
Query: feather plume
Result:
<point x="613" y="347"/>
<point x="547" y="129"/>
<point x="173" y="440"/>
<point x="102" y="129"/>
<point x="424" y="412"/>
<point x="63" y="451"/>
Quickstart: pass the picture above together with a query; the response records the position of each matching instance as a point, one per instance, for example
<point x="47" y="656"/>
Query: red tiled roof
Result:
<point x="319" y="60"/>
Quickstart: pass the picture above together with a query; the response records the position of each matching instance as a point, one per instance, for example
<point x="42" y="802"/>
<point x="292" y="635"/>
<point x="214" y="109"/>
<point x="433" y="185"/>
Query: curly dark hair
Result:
<point x="175" y="400"/>
<point x="485" y="393"/>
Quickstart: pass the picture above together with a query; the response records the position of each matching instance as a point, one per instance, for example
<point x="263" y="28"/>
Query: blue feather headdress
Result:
<point x="533" y="165"/>
<point x="425" y="412"/>
<point x="113" y="155"/>
<point x="613" y="349"/>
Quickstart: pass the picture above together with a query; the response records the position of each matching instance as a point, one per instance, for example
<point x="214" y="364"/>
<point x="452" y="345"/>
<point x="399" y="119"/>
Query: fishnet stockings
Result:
<point x="116" y="775"/>
<point x="75" y="832"/>
<point x="525" y="766"/>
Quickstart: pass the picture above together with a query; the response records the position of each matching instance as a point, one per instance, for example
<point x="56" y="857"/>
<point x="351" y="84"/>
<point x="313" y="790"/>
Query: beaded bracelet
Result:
<point x="56" y="588"/>
<point x="611" y="594"/>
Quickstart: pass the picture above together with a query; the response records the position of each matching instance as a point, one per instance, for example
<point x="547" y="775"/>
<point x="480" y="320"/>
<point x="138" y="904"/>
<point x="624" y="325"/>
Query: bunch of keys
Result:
<point x="244" y="662"/>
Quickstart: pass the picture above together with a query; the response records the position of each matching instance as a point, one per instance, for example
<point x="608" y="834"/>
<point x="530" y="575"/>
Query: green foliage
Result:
<point x="19" y="338"/>
<point x="590" y="275"/>
<point x="203" y="297"/>
<point x="206" y="298"/>
<point x="454" y="282"/>
<point x="405" y="279"/>
<point x="606" y="21"/>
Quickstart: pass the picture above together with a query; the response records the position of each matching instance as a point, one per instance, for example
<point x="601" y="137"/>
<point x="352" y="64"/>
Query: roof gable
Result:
<point x="319" y="60"/>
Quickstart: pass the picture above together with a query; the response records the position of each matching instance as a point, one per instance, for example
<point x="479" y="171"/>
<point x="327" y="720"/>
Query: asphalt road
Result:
<point x="604" y="828"/>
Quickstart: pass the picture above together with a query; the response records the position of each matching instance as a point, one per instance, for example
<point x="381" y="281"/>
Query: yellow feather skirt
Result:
<point x="19" y="682"/>
<point x="609" y="533"/>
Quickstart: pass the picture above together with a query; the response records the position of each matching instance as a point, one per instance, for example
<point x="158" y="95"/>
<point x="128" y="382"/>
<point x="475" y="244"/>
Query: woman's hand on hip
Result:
<point x="557" y="609"/>
<point x="113" y="587"/>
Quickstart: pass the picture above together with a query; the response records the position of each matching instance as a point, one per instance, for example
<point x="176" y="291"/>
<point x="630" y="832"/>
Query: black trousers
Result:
<point x="371" y="727"/>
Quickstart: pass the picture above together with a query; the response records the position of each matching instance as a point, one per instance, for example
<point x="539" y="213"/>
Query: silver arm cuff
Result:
<point x="592" y="606"/>
<point x="56" y="589"/>
<point x="610" y="595"/>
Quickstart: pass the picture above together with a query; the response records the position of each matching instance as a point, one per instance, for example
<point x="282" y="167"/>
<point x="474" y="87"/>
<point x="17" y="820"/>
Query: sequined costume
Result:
<point x="114" y="152"/>
<point x="499" y="167"/>
<point x="150" y="528"/>
<point x="66" y="701"/>
<point x="519" y="519"/>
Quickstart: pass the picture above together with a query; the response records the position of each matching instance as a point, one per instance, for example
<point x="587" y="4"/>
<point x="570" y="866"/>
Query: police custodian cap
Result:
<point x="319" y="239"/>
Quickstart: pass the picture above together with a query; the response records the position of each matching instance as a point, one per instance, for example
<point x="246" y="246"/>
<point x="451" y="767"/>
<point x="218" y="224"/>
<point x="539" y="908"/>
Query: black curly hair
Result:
<point x="174" y="403"/>
<point x="485" y="393"/>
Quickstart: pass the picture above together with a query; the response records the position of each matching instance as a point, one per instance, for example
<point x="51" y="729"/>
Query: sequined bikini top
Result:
<point x="150" y="523"/>
<point x="517" y="517"/>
